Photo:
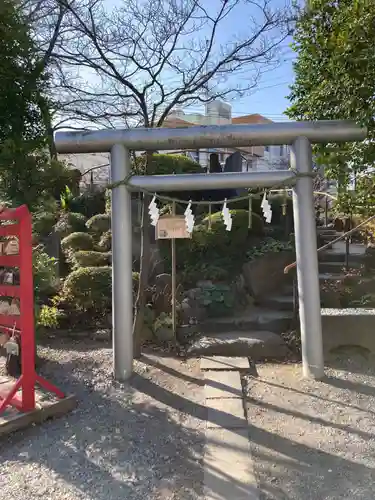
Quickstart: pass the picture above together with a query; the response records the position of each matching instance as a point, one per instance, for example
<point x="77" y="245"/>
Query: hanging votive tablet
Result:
<point x="8" y="278"/>
<point x="153" y="211"/>
<point x="12" y="247"/>
<point x="14" y="309"/>
<point x="4" y="307"/>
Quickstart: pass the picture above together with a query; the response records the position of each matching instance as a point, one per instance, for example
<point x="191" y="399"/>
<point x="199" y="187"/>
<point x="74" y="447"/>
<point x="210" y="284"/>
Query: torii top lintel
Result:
<point x="225" y="136"/>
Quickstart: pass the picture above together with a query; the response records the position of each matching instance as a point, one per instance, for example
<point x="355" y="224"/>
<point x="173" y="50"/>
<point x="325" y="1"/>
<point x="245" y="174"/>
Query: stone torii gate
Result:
<point x="299" y="135"/>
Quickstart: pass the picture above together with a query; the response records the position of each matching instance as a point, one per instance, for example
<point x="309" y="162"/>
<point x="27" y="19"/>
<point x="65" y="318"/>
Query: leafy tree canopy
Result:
<point x="335" y="77"/>
<point x="22" y="133"/>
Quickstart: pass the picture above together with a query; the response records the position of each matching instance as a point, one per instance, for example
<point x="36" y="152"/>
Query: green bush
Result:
<point x="49" y="316"/>
<point x="100" y="223"/>
<point x="88" y="203"/>
<point x="46" y="281"/>
<point x="89" y="258"/>
<point x="215" y="253"/>
<point x="276" y="201"/>
<point x="163" y="164"/>
<point x="105" y="242"/>
<point x="89" y="288"/>
<point x="43" y="223"/>
<point x="70" y="222"/>
<point x="77" y="241"/>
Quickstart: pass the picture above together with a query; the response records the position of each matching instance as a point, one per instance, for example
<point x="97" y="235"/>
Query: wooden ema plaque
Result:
<point x="171" y="227"/>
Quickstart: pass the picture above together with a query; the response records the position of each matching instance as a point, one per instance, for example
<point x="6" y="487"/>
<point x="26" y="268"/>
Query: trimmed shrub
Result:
<point x="88" y="203"/>
<point x="77" y="241"/>
<point x="99" y="223"/>
<point x="89" y="258"/>
<point x="89" y="288"/>
<point x="163" y="164"/>
<point x="43" y="223"/>
<point x="105" y="242"/>
<point x="70" y="222"/>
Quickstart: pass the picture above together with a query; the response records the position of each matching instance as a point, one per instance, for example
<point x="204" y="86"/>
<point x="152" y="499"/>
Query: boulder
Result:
<point x="265" y="275"/>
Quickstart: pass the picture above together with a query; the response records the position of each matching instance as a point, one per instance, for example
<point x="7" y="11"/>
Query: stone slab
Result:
<point x="222" y="384"/>
<point x="228" y="468"/>
<point x="225" y="413"/>
<point x="258" y="345"/>
<point x="224" y="363"/>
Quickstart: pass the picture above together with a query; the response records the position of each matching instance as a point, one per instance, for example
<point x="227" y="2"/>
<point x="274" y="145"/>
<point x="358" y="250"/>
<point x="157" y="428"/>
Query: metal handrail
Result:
<point x="327" y="245"/>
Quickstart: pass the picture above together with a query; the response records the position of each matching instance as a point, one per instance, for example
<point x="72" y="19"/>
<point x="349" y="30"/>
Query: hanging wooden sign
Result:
<point x="171" y="227"/>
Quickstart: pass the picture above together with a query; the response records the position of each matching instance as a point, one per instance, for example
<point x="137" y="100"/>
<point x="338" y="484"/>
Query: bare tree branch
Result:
<point x="136" y="62"/>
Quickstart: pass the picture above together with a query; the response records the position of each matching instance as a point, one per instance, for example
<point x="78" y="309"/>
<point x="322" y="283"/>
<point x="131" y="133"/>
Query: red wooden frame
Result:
<point x="21" y="394"/>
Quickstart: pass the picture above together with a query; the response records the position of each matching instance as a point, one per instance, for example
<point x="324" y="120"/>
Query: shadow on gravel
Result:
<point x="118" y="444"/>
<point x="308" y="446"/>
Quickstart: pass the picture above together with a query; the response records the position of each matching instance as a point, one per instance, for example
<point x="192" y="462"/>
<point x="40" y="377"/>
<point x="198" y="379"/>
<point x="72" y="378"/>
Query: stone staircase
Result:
<point x="257" y="332"/>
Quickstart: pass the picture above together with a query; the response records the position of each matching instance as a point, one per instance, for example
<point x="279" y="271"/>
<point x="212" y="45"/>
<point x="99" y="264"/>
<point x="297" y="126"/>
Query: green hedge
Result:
<point x="70" y="222"/>
<point x="100" y="223"/>
<point x="88" y="203"/>
<point x="90" y="289"/>
<point x="163" y="164"/>
<point x="105" y="242"/>
<point x="43" y="223"/>
<point x="77" y="241"/>
<point x="215" y="253"/>
<point x="89" y="258"/>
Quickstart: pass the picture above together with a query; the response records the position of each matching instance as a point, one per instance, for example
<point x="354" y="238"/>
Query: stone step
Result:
<point x="336" y="267"/>
<point x="282" y="302"/>
<point x="357" y="253"/>
<point x="257" y="345"/>
<point x="255" y="318"/>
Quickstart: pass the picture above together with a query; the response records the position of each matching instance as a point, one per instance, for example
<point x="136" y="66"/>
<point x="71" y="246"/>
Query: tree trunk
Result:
<point x="140" y="304"/>
<point x="46" y="117"/>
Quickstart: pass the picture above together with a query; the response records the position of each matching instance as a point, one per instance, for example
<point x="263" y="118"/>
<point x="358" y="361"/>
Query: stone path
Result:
<point x="228" y="472"/>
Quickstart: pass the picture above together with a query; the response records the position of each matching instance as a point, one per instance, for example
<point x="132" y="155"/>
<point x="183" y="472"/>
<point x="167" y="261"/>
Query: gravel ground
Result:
<point x="138" y="441"/>
<point x="314" y="440"/>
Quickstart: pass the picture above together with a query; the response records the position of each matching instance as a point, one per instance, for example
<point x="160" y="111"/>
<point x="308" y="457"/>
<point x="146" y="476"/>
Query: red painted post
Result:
<point x="24" y="323"/>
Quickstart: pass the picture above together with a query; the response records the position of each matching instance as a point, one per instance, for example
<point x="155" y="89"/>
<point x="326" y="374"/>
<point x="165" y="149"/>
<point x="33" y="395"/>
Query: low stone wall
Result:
<point x="348" y="327"/>
<point x="265" y="275"/>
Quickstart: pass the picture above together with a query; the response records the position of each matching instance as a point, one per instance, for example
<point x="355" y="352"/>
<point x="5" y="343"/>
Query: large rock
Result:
<point x="265" y="275"/>
<point x="257" y="345"/>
